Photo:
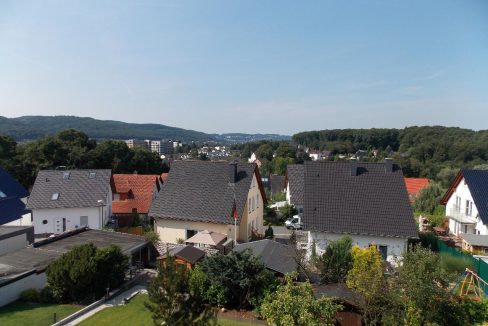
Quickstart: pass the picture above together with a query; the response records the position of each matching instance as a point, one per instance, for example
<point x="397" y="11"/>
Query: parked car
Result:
<point x="294" y="223"/>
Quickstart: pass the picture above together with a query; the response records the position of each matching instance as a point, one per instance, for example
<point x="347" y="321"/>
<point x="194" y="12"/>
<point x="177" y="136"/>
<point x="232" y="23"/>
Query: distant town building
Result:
<point x="131" y="143"/>
<point x="156" y="146"/>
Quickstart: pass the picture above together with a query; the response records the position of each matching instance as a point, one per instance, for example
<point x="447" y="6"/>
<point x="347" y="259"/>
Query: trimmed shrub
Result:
<point x="46" y="295"/>
<point x="30" y="295"/>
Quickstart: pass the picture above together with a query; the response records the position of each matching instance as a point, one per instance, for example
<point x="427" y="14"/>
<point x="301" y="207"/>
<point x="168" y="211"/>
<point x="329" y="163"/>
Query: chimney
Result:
<point x="388" y="165"/>
<point x="354" y="166"/>
<point x="233" y="172"/>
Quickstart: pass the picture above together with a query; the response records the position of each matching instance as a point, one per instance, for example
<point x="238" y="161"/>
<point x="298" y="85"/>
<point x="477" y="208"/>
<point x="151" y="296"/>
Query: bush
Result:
<point x="268" y="234"/>
<point x="336" y="261"/>
<point x="85" y="272"/>
<point x="30" y="295"/>
<point x="455" y="265"/>
<point x="46" y="295"/>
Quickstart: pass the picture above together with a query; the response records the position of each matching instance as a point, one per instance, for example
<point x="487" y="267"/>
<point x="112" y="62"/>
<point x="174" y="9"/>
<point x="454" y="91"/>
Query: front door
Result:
<point x="64" y="224"/>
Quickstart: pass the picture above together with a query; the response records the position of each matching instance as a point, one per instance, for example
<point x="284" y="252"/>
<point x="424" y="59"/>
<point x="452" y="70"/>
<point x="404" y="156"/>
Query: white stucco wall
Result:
<point x="172" y="230"/>
<point x="25" y="220"/>
<point x="11" y="292"/>
<point x="395" y="246"/>
<point x="462" y="191"/>
<point x="13" y="243"/>
<point x="54" y="218"/>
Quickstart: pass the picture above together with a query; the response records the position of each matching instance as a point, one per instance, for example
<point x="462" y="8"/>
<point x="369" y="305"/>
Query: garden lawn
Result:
<point x="135" y="313"/>
<point x="40" y="314"/>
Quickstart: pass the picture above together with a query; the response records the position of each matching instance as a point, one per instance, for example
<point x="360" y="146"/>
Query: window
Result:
<point x="253" y="204"/>
<point x="92" y="175"/>
<point x="257" y="201"/>
<point x="465" y="229"/>
<point x="249" y="205"/>
<point x="44" y="222"/>
<point x="469" y="207"/>
<point x="457" y="207"/>
<point x="190" y="233"/>
<point x="383" y="251"/>
<point x="66" y="175"/>
<point x="2" y="194"/>
<point x="55" y="196"/>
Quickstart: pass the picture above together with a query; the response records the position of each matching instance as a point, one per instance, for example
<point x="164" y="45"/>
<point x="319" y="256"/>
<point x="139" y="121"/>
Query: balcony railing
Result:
<point x="461" y="216"/>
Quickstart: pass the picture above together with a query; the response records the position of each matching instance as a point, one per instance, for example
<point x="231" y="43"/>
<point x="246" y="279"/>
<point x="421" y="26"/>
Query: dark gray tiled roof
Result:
<point x="79" y="190"/>
<point x="373" y="202"/>
<point x="274" y="255"/>
<point x="201" y="191"/>
<point x="477" y="181"/>
<point x="295" y="176"/>
<point x="188" y="253"/>
<point x="277" y="183"/>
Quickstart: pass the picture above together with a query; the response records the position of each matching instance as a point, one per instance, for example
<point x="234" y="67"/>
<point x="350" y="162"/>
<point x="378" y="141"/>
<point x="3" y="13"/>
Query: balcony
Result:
<point x="457" y="214"/>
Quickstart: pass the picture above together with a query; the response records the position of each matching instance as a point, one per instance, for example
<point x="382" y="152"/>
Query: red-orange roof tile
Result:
<point x="141" y="188"/>
<point x="414" y="185"/>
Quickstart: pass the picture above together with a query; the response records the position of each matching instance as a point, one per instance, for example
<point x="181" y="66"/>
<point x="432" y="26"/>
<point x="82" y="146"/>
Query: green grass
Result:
<point x="135" y="313"/>
<point x="39" y="314"/>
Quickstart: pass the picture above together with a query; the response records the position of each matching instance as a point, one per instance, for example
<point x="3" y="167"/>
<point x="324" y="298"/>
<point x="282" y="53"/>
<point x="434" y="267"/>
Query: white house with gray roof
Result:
<point x="200" y="195"/>
<point x="367" y="201"/>
<point x="63" y="200"/>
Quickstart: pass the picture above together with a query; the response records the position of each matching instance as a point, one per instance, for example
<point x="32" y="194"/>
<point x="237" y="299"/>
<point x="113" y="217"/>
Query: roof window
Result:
<point x="92" y="175"/>
<point x="2" y="194"/>
<point x="55" y="196"/>
<point x="66" y="175"/>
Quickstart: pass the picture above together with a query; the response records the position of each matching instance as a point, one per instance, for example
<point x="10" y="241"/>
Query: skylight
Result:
<point x="55" y="196"/>
<point x="92" y="175"/>
<point x="66" y="175"/>
<point x="2" y="194"/>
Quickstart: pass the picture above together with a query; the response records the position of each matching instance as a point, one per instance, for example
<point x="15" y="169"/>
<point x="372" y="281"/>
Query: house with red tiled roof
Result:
<point x="133" y="194"/>
<point x="414" y="185"/>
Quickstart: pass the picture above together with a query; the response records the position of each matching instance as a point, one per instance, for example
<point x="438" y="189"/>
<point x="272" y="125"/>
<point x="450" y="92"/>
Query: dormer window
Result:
<point x="2" y="194"/>
<point x="55" y="196"/>
<point x="66" y="175"/>
<point x="92" y="175"/>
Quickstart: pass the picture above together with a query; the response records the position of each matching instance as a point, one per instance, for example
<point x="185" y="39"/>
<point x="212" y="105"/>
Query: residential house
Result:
<point x="414" y="185"/>
<point x="475" y="243"/>
<point x="25" y="268"/>
<point x="367" y="201"/>
<point x="316" y="155"/>
<point x="294" y="182"/>
<point x="466" y="203"/>
<point x="202" y="195"/>
<point x="277" y="257"/>
<point x="133" y="194"/>
<point x="63" y="200"/>
<point x="13" y="197"/>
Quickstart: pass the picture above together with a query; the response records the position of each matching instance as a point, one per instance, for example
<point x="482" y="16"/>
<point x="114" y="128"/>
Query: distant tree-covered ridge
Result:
<point x="435" y="152"/>
<point x="34" y="127"/>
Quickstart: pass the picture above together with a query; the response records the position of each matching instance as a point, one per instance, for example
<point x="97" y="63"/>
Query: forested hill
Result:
<point x="34" y="127"/>
<point x="422" y="151"/>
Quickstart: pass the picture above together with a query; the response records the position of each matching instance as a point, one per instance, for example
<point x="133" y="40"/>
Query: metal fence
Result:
<point x="479" y="265"/>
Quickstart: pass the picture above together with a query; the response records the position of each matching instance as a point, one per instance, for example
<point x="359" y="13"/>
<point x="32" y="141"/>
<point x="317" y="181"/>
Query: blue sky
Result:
<point x="248" y="66"/>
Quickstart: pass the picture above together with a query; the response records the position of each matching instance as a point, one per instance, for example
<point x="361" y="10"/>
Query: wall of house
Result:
<point x="395" y="246"/>
<point x="11" y="292"/>
<point x="457" y="228"/>
<point x="54" y="217"/>
<point x="172" y="230"/>
<point x="252" y="217"/>
<point x="25" y="220"/>
<point x="13" y="243"/>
